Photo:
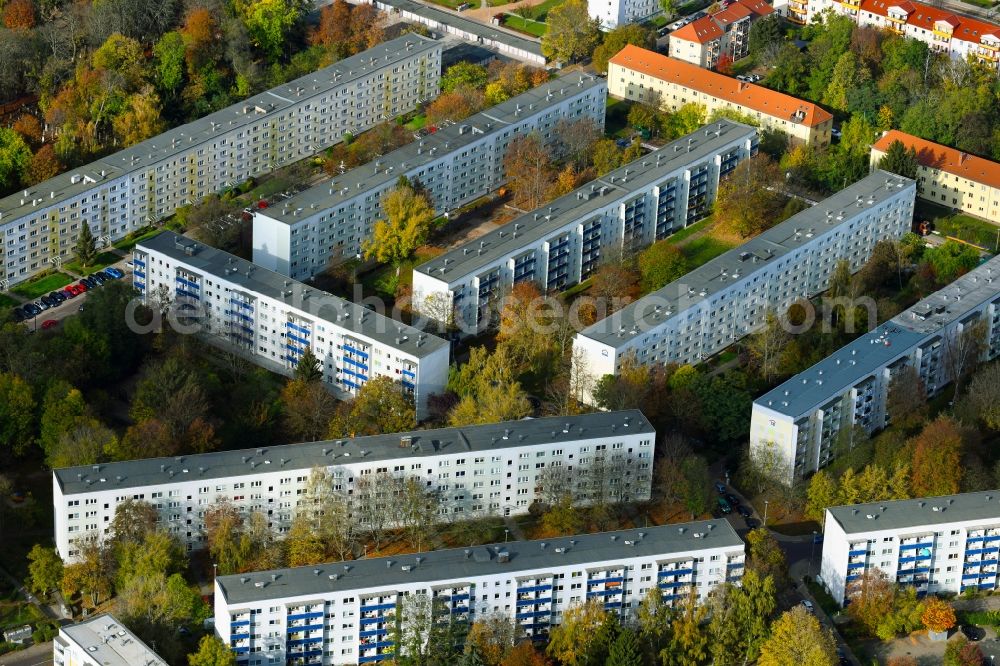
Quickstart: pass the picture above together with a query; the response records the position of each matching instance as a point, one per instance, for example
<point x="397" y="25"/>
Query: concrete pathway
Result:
<point x="36" y="655"/>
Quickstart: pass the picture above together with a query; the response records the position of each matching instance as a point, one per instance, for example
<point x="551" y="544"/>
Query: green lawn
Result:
<point x="658" y="21"/>
<point x="531" y="27"/>
<point x="496" y="3"/>
<point x="7" y="301"/>
<point x="541" y="10"/>
<point x="16" y="613"/>
<point x="42" y="285"/>
<point x="986" y="4"/>
<point x="104" y="259"/>
<point x="417" y="123"/>
<point x="969" y="229"/>
<point x="126" y="244"/>
<point x="450" y="4"/>
<point x="690" y="230"/>
<point x="704" y="249"/>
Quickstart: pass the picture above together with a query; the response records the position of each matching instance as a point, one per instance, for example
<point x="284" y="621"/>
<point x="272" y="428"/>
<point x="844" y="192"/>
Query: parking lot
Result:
<point x="46" y="315"/>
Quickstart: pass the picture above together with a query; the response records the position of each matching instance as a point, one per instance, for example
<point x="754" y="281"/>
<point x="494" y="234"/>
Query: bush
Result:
<point x="45" y="632"/>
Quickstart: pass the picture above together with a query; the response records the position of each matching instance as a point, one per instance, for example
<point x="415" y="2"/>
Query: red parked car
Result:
<point x="49" y="323"/>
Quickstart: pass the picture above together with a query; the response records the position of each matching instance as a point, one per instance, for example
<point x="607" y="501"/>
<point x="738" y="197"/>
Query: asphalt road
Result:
<point x="36" y="655"/>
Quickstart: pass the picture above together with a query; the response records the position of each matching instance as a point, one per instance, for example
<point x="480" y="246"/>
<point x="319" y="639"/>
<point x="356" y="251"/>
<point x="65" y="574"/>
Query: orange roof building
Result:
<point x="948" y="176"/>
<point x="945" y="31"/>
<point x="722" y="35"/>
<point x="639" y="74"/>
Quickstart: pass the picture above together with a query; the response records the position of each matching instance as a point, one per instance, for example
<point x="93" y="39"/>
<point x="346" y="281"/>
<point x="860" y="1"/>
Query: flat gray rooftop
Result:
<point x="387" y="169"/>
<point x="252" y="278"/>
<point x="740" y="263"/>
<point x="421" y="444"/>
<point x="466" y="25"/>
<point x="207" y="129"/>
<point x="845" y="367"/>
<point x="918" y="513"/>
<point x="457" y="564"/>
<point x="107" y="641"/>
<point x="542" y="222"/>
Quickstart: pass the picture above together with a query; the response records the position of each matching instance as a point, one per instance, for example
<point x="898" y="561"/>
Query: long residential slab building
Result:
<point x="272" y="320"/>
<point x="728" y="297"/>
<point x="944" y="31"/>
<point x="938" y="545"/>
<point x="476" y="471"/>
<point x="347" y="612"/>
<point x="146" y="182"/>
<point x="641" y="75"/>
<point x="563" y="242"/>
<point x="801" y="419"/>
<point x="948" y="176"/>
<point x="457" y="164"/>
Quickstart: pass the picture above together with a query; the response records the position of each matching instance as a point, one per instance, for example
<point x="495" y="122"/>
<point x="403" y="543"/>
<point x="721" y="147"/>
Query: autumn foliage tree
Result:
<point x="529" y="171"/>
<point x="937" y="456"/>
<point x="19" y="14"/>
<point x="405" y="227"/>
<point x="346" y="29"/>
<point x="745" y="205"/>
<point x="872" y="600"/>
<point x="938" y="615"/>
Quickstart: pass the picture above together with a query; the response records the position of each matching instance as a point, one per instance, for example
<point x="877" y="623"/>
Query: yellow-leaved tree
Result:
<point x="406" y="226"/>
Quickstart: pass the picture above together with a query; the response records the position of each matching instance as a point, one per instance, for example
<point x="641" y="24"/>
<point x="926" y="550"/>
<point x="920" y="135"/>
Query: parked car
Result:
<point x="82" y="287"/>
<point x="973" y="633"/>
<point x="41" y="305"/>
<point x="58" y="295"/>
<point x="724" y="506"/>
<point x="68" y="293"/>
<point x="741" y="77"/>
<point x="32" y="310"/>
<point x="720" y="487"/>
<point x="732" y="499"/>
<point x="751" y="523"/>
<point x="114" y="273"/>
<point x="48" y="301"/>
<point x="96" y="279"/>
<point x="809" y="606"/>
<point x="743" y="511"/>
<point x="49" y="323"/>
<point x="89" y="283"/>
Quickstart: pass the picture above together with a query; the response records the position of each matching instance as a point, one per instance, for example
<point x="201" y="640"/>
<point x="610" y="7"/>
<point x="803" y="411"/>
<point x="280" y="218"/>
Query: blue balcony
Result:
<point x="355" y="351"/>
<point x="851" y="577"/>
<point x="357" y="364"/>
<point x="532" y="614"/>
<point x="296" y="327"/>
<point x="240" y="650"/>
<point x="354" y="374"/>
<point x="676" y="572"/>
<point x="735" y="565"/>
<point x="239" y="637"/>
<point x="188" y="294"/>
<point x="350" y="384"/>
<point x="534" y="602"/>
<point x="298" y="339"/>
<point x="534" y="588"/>
<point x="366" y="621"/>
<point x="240" y="623"/>
<point x="138" y="262"/>
<point x="612" y="604"/>
<point x="604" y="593"/>
<point x="672" y="584"/>
<point x="458" y="597"/>
<point x="373" y="658"/>
<point x="911" y="546"/>
<point x="858" y="553"/>
<point x="972" y="576"/>
<point x="305" y="627"/>
<point x="304" y="641"/>
<point x="241" y="304"/>
<point x="188" y="283"/>
<point x="987" y="586"/>
<point x="599" y="581"/>
<point x="914" y="558"/>
<point x="409" y="373"/>
<point x="377" y="607"/>
<point x="139" y="274"/>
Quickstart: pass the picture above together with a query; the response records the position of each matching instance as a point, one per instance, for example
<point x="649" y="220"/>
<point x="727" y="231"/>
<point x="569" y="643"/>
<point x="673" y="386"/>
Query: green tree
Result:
<point x="900" y="159"/>
<point x="309" y="368"/>
<point x="697" y="485"/>
<point x="983" y="389"/>
<point x="950" y="260"/>
<point x="464" y="73"/>
<point x="379" y="407"/>
<point x="765" y="556"/>
<point x="169" y="53"/>
<point x="562" y="517"/>
<point x="45" y="570"/>
<point x="842" y="81"/>
<point x="407" y="224"/>
<point x="765" y="33"/>
<point x="86" y="246"/>
<point x="15" y="155"/>
<point x="212" y="652"/>
<point x="303" y="545"/>
<point x="685" y="120"/>
<point x="308" y="409"/>
<point x="572" y="34"/>
<point x="617" y="39"/>
<point x="740" y="619"/>
<point x="268" y="22"/>
<point x="653" y="617"/>
<point x="606" y="156"/>
<point x="798" y="639"/>
<point x="173" y="392"/>
<point x="625" y="650"/>
<point x="17" y="413"/>
<point x="747" y="203"/>
<point x="660" y="264"/>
